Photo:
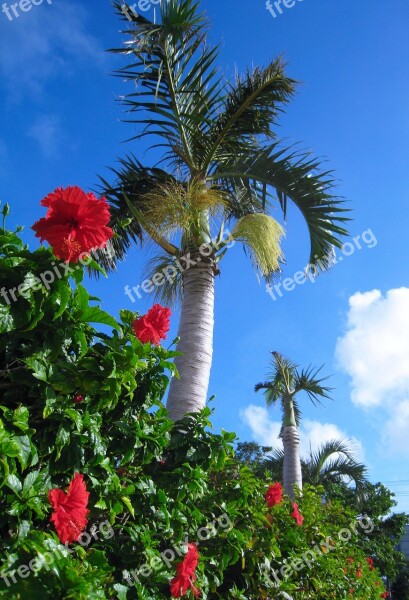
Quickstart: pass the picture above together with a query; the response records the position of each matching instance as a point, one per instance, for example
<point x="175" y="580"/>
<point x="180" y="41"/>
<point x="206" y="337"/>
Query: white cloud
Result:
<point x="313" y="434"/>
<point x="374" y="351"/>
<point x="43" y="44"/>
<point x="395" y="431"/>
<point x="46" y="131"/>
<point x="264" y="430"/>
<point x="316" y="434"/>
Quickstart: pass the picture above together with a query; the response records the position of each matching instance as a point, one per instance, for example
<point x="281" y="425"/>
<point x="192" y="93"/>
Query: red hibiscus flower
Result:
<point x="153" y="326"/>
<point x="70" y="509"/>
<point x="385" y="595"/>
<point x="299" y="519"/>
<point x="78" y="398"/>
<point x="274" y="494"/>
<point x="350" y="560"/>
<point x="370" y="563"/>
<point x="75" y="223"/>
<point x="359" y="573"/>
<point x="186" y="577"/>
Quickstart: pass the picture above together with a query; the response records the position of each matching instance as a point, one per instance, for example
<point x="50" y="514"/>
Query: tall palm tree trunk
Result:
<point x="189" y="393"/>
<point x="292" y="475"/>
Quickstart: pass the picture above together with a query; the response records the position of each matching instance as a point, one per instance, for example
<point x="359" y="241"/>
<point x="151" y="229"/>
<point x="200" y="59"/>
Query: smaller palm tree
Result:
<point x="333" y="462"/>
<point x="285" y="382"/>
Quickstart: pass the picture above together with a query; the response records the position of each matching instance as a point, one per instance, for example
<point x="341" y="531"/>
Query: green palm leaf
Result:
<point x="177" y="89"/>
<point x="334" y="462"/>
<point x="295" y="176"/>
<point x="250" y="108"/>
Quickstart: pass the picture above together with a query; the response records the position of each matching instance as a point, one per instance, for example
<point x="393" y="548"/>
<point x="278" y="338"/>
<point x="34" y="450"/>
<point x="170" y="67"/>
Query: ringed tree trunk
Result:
<point x="189" y="393"/>
<point x="292" y="475"/>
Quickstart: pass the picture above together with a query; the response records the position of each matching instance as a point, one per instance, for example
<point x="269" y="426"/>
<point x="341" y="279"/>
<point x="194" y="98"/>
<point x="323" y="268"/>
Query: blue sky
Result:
<point x="60" y="125"/>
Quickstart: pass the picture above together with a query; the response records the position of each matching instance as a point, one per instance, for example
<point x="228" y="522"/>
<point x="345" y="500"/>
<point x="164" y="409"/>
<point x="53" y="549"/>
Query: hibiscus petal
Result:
<point x="70" y="509"/>
<point x="77" y="495"/>
<point x="56" y="497"/>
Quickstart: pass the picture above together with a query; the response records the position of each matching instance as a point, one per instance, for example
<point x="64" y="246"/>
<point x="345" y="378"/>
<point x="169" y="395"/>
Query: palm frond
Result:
<point x="272" y="391"/>
<point x="177" y="92"/>
<point x="280" y="379"/>
<point x="296" y="176"/>
<point x="250" y="108"/>
<point x="333" y="462"/>
<point x="277" y="454"/>
<point x="155" y="235"/>
<point x="242" y="198"/>
<point x="134" y="182"/>
<point x="275" y="461"/>
<point x="307" y="381"/>
<point x="320" y="456"/>
<point x="166" y="276"/>
<point x="284" y="369"/>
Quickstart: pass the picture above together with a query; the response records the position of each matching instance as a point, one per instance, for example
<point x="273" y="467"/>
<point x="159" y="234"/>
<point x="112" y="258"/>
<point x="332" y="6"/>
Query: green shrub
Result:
<point x="75" y="399"/>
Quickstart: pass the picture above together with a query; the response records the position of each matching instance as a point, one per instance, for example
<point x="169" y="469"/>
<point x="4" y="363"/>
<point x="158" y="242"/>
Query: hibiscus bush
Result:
<point x="102" y="496"/>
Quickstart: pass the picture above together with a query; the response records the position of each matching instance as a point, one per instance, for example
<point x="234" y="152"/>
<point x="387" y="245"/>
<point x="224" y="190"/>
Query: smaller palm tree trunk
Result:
<point x="292" y="463"/>
<point x="189" y="393"/>
<point x="292" y="475"/>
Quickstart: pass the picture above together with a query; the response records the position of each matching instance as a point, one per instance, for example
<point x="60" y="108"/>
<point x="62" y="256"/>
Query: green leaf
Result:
<point x="60" y="297"/>
<point x="122" y="591"/>
<point x="62" y="439"/>
<point x="9" y="448"/>
<point x="97" y="558"/>
<point x="23" y="529"/>
<point x="14" y="484"/>
<point x="94" y="314"/>
<point x="127" y="316"/>
<point x="82" y="297"/>
<point x="9" y="239"/>
<point x="38" y="367"/>
<point x="6" y="319"/>
<point x="128" y="504"/>
<point x="4" y="471"/>
<point x="75" y="416"/>
<point x="94" y="266"/>
<point x="24" y="447"/>
<point x="29" y="482"/>
<point x="81" y="339"/>
<point x="20" y="418"/>
<point x="77" y="275"/>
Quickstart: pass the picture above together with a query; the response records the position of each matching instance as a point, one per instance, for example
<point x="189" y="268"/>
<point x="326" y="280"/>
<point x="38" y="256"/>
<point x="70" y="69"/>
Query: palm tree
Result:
<point x="333" y="462"/>
<point x="284" y="383"/>
<point x="222" y="166"/>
